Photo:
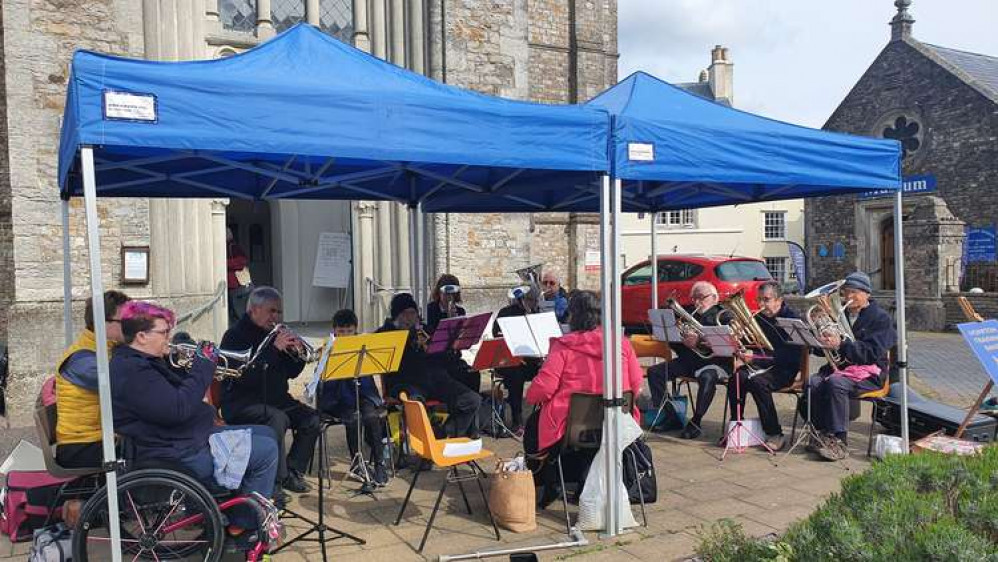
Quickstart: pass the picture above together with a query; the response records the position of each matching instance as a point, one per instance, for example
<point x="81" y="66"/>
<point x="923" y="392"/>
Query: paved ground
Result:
<point x="694" y="489"/>
<point x="944" y="368"/>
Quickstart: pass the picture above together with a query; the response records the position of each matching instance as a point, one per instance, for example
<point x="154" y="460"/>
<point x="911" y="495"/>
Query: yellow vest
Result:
<point x="77" y="409"/>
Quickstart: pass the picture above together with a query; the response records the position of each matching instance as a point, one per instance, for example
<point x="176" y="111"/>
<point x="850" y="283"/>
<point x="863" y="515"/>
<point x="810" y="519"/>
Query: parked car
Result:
<point x="676" y="275"/>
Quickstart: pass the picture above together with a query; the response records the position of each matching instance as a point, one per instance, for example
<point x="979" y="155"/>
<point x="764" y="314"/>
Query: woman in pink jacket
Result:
<point x="574" y="365"/>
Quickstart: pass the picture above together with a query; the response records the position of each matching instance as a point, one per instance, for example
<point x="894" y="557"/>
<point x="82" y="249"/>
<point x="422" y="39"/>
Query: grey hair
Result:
<point x="262" y="295"/>
<point x="703" y="285"/>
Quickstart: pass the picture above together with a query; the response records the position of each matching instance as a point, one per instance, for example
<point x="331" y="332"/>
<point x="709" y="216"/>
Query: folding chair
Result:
<point x="876" y="398"/>
<point x="428" y="448"/>
<point x="798" y="387"/>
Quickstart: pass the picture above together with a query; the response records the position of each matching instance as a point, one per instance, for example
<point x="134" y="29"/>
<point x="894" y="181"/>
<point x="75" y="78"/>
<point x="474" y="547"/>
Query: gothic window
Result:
<point x="336" y="19"/>
<point x="284" y="14"/>
<point x="907" y="132"/>
<point x="238" y="15"/>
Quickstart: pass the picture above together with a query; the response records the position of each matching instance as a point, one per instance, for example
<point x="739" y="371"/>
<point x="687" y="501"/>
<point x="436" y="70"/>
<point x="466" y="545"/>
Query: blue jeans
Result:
<point x="261" y="470"/>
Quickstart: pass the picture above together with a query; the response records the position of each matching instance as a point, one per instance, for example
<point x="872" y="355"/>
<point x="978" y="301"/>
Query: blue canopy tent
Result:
<point x="672" y="150"/>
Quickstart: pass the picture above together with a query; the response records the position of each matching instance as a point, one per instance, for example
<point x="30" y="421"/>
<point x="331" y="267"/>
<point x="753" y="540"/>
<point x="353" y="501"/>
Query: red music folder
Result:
<point x="494" y="354"/>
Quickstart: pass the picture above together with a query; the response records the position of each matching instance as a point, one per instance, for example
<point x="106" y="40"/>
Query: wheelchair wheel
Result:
<point x="163" y="516"/>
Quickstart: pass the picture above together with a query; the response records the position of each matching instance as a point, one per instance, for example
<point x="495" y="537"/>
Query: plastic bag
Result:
<point x="594" y="493"/>
<point x="884" y="445"/>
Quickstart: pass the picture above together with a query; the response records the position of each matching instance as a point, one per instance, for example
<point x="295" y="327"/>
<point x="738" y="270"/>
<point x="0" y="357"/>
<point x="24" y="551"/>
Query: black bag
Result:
<point x="491" y="407"/>
<point x="639" y="473"/>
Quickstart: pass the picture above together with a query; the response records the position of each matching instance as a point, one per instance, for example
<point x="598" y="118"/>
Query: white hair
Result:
<point x="261" y="296"/>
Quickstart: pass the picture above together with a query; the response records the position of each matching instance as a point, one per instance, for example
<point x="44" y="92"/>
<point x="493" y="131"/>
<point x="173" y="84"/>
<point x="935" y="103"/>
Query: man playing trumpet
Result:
<point x="861" y="368"/>
<point x="693" y="359"/>
<point x="261" y="396"/>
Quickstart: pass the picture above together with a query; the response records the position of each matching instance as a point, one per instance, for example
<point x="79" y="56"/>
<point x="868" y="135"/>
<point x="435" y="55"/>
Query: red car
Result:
<point x="676" y="275"/>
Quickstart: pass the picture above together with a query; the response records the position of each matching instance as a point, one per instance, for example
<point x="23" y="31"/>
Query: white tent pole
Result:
<point x="100" y="329"/>
<point x="413" y="254"/>
<point x="606" y="303"/>
<point x="902" y="354"/>
<point x="614" y="524"/>
<point x="420" y="250"/>
<point x="654" y="260"/>
<point x="67" y="278"/>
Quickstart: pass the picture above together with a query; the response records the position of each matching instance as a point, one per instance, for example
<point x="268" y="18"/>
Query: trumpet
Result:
<point x="687" y="324"/>
<point x="827" y="317"/>
<point x="231" y="364"/>
<point x="301" y="349"/>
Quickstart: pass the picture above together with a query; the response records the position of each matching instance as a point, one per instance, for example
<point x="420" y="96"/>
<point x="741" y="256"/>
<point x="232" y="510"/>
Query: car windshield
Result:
<point x="746" y="270"/>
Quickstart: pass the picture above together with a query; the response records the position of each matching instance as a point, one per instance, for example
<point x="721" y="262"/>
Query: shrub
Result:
<point x="925" y="506"/>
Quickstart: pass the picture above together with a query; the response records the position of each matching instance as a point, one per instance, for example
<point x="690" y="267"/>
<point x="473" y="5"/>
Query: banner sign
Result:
<point x="980" y="245"/>
<point x="800" y="264"/>
<point x="982" y="337"/>
<point x="911" y="185"/>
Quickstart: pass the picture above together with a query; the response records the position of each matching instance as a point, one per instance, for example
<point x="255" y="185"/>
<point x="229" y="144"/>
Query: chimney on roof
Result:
<point x="720" y="74"/>
<point x="703" y="76"/>
<point x="902" y="22"/>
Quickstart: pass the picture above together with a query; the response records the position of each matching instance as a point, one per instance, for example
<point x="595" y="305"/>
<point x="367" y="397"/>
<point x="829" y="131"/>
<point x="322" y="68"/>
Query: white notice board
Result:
<point x="332" y="261"/>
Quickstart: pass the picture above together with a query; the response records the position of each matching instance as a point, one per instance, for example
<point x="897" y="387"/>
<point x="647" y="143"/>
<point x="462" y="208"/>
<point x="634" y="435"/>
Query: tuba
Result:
<point x="687" y="324"/>
<point x="230" y="363"/>
<point x="827" y="317"/>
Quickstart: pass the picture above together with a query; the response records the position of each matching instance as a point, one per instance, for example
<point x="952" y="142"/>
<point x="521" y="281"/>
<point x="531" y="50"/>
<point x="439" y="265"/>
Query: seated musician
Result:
<point x="423" y="378"/>
<point x="161" y="411"/>
<point x="339" y="399"/>
<point x="768" y="371"/>
<point x="708" y="371"/>
<point x="78" y="427"/>
<point x="514" y="378"/>
<point x="445" y="303"/>
<point x="554" y="293"/>
<point x="574" y="365"/>
<point x="862" y="368"/>
<point x="261" y="394"/>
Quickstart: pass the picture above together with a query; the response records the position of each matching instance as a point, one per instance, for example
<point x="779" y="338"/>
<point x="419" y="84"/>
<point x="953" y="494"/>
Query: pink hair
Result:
<point x="135" y="309"/>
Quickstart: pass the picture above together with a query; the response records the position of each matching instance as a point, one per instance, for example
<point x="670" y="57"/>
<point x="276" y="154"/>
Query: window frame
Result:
<point x="781" y="235"/>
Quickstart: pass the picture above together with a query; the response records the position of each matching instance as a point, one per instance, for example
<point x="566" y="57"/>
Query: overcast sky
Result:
<point x="794" y="60"/>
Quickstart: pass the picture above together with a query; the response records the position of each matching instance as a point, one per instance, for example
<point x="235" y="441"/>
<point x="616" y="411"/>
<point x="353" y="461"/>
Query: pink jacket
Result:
<point x="575" y="365"/>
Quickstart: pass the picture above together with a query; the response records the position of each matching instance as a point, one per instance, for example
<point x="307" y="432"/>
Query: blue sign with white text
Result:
<point x="910" y="185"/>
<point x="982" y="337"/>
<point x="980" y="245"/>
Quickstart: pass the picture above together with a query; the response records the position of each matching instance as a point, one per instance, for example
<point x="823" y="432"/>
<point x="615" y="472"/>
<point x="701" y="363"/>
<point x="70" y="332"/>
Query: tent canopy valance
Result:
<point x="306" y="116"/>
<point x="676" y="150"/>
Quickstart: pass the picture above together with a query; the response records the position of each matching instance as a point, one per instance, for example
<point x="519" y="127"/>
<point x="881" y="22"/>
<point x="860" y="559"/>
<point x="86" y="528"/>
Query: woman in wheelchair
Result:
<point x="160" y="412"/>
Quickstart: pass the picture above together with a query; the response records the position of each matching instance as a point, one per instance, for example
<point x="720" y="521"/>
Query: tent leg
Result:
<point x="614" y="524"/>
<point x="654" y="260"/>
<point x="421" y="251"/>
<point x="414" y="254"/>
<point x="100" y="329"/>
<point x="606" y="278"/>
<point x="899" y="300"/>
<point x="67" y="278"/>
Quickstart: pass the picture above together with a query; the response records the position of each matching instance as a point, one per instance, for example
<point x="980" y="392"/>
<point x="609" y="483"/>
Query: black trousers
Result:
<point x="575" y="464"/>
<point x="462" y="403"/>
<point x="688" y="364"/>
<point x="830" y="396"/>
<point x="514" y="379"/>
<point x="373" y="422"/>
<point x="293" y="415"/>
<point x="761" y="387"/>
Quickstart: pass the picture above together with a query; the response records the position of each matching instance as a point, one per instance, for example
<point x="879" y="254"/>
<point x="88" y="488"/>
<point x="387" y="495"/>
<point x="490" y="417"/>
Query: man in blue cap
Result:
<point x="862" y="365"/>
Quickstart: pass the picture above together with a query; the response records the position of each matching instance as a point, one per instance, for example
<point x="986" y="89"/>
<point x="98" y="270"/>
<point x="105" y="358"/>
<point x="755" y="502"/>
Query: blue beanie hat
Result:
<point x="858" y="280"/>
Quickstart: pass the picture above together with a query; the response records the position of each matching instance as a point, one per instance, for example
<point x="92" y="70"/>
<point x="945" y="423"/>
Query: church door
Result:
<point x="887" y="254"/>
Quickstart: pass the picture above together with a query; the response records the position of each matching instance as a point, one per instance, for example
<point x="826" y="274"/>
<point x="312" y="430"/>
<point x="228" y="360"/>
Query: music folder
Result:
<point x="365" y="355"/>
<point x="495" y="354"/>
<point x="458" y="333"/>
<point x="721" y="340"/>
<point x="663" y="325"/>
<point x="530" y="335"/>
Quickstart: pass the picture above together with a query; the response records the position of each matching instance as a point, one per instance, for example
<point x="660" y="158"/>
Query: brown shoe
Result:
<point x="834" y="449"/>
<point x="776" y="442"/>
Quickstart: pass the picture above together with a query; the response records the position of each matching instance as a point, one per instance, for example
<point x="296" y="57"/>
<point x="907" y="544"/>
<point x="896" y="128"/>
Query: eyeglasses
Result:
<point x="767" y="299"/>
<point x="549" y="283"/>
<point x="162" y="332"/>
<point x="703" y="297"/>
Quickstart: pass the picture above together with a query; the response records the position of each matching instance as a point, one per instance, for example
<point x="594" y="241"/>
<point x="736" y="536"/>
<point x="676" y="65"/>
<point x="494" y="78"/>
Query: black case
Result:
<point x="926" y="416"/>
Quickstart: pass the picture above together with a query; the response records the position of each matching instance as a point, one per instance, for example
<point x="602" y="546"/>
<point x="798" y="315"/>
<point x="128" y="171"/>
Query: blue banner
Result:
<point x="982" y="337"/>
<point x="980" y="245"/>
<point x="911" y="185"/>
<point x="800" y="264"/>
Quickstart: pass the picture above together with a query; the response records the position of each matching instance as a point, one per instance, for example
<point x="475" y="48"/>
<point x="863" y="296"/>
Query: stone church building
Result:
<point x="551" y="51"/>
<point x="942" y="105"/>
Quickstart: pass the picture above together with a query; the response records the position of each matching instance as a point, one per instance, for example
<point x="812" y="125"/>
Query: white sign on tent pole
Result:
<point x="332" y="261"/>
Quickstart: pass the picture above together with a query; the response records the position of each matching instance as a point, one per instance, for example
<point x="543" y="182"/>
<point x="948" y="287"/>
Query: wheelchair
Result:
<point x="164" y="513"/>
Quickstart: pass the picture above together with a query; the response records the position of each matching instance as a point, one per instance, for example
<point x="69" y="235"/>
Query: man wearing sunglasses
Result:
<point x="551" y="286"/>
<point x="693" y="360"/>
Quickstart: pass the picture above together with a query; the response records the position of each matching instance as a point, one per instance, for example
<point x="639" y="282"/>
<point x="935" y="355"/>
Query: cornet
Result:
<point x="231" y="364"/>
<point x="300" y="349"/>
<point x="827" y="317"/>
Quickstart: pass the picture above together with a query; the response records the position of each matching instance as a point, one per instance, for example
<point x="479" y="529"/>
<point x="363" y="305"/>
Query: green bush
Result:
<point x="926" y="506"/>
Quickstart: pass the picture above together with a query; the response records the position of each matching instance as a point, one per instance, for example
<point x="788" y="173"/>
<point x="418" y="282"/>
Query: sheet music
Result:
<point x="320" y="367"/>
<point x="799" y="332"/>
<point x="663" y="325"/>
<point x="530" y="336"/>
<point x="721" y="340"/>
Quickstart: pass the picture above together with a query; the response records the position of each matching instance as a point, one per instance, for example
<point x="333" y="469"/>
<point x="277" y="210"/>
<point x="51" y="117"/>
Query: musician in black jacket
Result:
<point x="863" y="368"/>
<point x="515" y="378"/>
<point x="708" y="371"/>
<point x="423" y="378"/>
<point x="445" y="303"/>
<point x="765" y="372"/>
<point x="261" y="396"/>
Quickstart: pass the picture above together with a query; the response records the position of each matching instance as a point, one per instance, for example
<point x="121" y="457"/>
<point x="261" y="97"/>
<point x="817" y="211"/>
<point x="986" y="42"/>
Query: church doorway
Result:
<point x="887" y="254"/>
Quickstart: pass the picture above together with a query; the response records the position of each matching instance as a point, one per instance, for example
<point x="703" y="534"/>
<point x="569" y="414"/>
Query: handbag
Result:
<point x="512" y="497"/>
<point x="639" y="473"/>
<point x="243" y="277"/>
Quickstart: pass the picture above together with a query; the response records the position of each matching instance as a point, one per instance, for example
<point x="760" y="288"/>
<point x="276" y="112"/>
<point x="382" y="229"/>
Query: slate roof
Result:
<point x="702" y="89"/>
<point x="977" y="70"/>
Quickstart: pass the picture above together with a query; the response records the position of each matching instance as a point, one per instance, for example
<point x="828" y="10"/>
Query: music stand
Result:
<point x="359" y="356"/>
<point x="800" y="334"/>
<point x="493" y="355"/>
<point x="458" y="333"/>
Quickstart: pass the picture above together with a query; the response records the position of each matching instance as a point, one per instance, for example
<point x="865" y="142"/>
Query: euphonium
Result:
<point x="230" y="363"/>
<point x="827" y="317"/>
<point x="687" y="324"/>
<point x="743" y="324"/>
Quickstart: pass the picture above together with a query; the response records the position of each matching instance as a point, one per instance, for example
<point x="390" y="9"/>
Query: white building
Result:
<point x="759" y="230"/>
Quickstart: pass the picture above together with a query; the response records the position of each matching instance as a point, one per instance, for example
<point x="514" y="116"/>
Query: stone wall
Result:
<point x="6" y="226"/>
<point x="958" y="126"/>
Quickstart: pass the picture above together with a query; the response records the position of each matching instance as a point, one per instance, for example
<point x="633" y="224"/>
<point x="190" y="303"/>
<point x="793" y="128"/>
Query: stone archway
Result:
<point x="887" y="254"/>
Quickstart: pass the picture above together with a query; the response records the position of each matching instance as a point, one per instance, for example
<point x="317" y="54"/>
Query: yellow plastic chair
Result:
<point x="428" y="448"/>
